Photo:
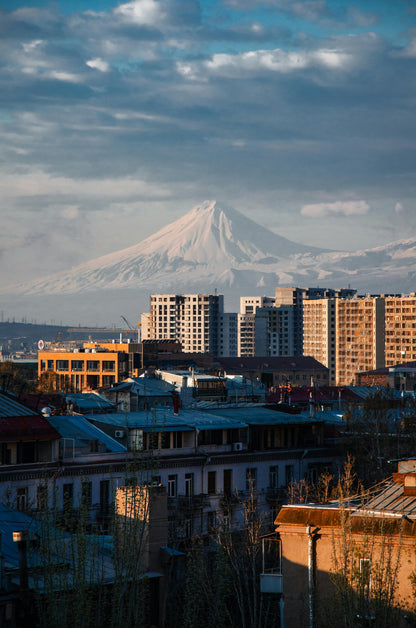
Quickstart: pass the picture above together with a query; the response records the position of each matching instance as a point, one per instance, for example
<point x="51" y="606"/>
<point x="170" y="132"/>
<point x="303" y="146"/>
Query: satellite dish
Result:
<point x="41" y="345"/>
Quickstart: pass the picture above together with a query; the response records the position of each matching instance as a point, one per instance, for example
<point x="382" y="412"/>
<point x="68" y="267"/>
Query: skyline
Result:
<point x="117" y="118"/>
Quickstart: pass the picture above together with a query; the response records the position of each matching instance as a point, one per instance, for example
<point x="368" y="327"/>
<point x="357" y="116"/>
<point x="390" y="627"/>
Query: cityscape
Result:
<point x="207" y="314"/>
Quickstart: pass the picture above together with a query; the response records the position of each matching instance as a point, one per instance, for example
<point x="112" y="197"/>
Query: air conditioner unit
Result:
<point x="119" y="433"/>
<point x="237" y="446"/>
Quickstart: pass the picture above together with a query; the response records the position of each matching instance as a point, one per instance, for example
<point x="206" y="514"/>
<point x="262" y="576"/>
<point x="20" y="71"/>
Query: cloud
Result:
<point x="98" y="64"/>
<point x="277" y="60"/>
<point x="398" y="208"/>
<point x="339" y="208"/>
<point x="141" y="12"/>
<point x="71" y="212"/>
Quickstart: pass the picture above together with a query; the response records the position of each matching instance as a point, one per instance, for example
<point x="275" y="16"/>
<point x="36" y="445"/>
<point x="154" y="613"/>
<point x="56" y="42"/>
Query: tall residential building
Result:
<point x="319" y="332"/>
<point x="228" y="335"/>
<point x="297" y="298"/>
<point x="294" y="297"/>
<point x="191" y="319"/>
<point x="400" y="339"/>
<point x="359" y="336"/>
<point x="252" y="333"/>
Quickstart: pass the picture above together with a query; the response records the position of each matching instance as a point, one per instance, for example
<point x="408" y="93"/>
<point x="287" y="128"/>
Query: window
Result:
<point x="227" y="482"/>
<point x="289" y="473"/>
<point x="274" y="477"/>
<point x="68" y="496"/>
<point x="251" y="479"/>
<point x="42" y="497"/>
<point x="189" y="528"/>
<point x="189" y="484"/>
<point x="21" y="499"/>
<point x="104" y="495"/>
<point x="212" y="482"/>
<point x="86" y="492"/>
<point x="176" y="439"/>
<point x="211" y="520"/>
<point x="172" y="485"/>
<point x="365" y="574"/>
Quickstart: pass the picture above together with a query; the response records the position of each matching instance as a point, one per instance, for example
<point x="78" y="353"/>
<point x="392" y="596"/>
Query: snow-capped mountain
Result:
<point x="208" y="244"/>
<point x="210" y="247"/>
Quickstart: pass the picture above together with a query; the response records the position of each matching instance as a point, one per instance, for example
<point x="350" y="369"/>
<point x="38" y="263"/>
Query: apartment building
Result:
<point x="359" y="334"/>
<point x="400" y="333"/>
<point x="319" y="332"/>
<point x="228" y="335"/>
<point x="291" y="296"/>
<point x="191" y="319"/>
<point x="246" y="322"/>
<point x="263" y="329"/>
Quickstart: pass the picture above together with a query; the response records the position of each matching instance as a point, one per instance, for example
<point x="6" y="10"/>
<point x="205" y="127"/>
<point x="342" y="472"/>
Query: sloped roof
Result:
<point x="164" y="420"/>
<point x="20" y="423"/>
<point x="393" y="500"/>
<point x="11" y="407"/>
<point x="81" y="430"/>
<point x="271" y="363"/>
<point x="89" y="401"/>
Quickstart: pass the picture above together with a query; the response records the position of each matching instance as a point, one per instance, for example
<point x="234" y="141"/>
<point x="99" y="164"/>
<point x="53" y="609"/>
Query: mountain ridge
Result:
<point x="208" y="248"/>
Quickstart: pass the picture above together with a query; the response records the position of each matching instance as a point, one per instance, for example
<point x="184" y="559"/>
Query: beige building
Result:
<point x="400" y="340"/>
<point x="359" y="332"/>
<point x="319" y="333"/>
<point x="191" y="319"/>
<point x="346" y="335"/>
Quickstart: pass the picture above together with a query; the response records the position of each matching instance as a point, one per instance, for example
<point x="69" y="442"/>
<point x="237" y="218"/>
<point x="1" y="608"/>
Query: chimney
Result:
<point x="175" y="403"/>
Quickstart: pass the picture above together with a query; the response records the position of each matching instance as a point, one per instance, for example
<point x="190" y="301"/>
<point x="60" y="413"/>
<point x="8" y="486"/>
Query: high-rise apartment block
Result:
<point x="359" y="334"/>
<point x="319" y="332"/>
<point x="191" y="319"/>
<point x="263" y="329"/>
<point x="344" y="334"/>
<point x="400" y="341"/>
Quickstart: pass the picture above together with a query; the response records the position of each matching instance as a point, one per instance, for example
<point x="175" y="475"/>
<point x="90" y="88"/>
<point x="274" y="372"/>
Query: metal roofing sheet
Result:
<point x="164" y="419"/>
<point x="61" y="547"/>
<point x="392" y="499"/>
<point x="89" y="401"/>
<point x="11" y="407"/>
<point x="80" y="429"/>
<point x="263" y="416"/>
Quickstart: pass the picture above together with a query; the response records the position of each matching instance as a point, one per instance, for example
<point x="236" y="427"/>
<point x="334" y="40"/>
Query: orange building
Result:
<point x="85" y="368"/>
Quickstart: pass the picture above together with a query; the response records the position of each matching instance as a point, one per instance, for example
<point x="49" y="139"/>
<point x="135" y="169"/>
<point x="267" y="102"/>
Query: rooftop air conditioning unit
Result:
<point x="119" y="433"/>
<point x="237" y="446"/>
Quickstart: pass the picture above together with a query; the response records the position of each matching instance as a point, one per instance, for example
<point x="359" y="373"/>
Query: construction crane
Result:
<point x="130" y="327"/>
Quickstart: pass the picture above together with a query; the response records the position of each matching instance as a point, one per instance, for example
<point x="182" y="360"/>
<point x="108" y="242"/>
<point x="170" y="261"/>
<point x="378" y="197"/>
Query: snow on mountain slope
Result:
<point x="205" y="244"/>
<point x="213" y="247"/>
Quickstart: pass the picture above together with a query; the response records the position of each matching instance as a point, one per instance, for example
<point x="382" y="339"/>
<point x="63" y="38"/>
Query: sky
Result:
<point x="117" y="118"/>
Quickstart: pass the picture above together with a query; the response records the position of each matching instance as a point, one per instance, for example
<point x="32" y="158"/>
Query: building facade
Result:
<point x="319" y="332"/>
<point x="359" y="333"/>
<point x="191" y="319"/>
<point x="400" y="339"/>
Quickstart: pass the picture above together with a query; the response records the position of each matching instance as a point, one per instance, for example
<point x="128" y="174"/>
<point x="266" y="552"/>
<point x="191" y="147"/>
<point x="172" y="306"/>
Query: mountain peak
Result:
<point x="212" y="240"/>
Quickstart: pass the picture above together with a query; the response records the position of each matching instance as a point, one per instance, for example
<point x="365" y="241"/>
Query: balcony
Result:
<point x="271" y="578"/>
